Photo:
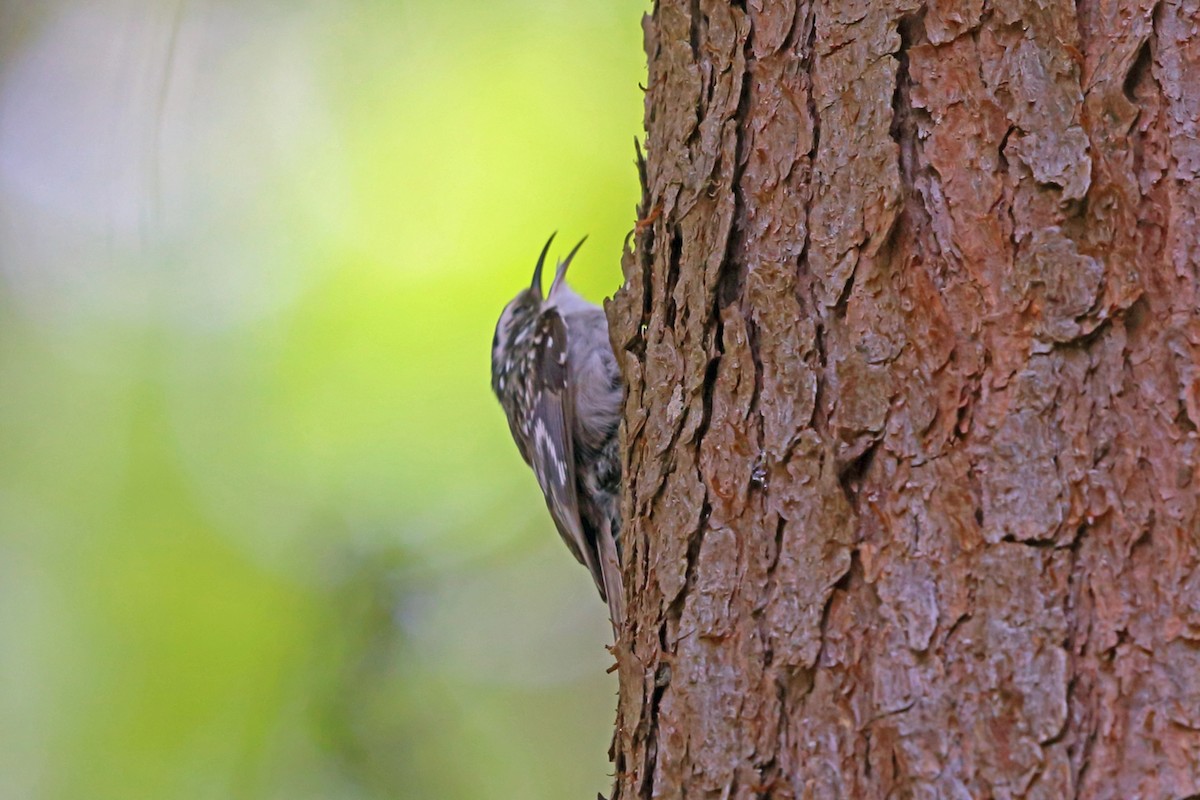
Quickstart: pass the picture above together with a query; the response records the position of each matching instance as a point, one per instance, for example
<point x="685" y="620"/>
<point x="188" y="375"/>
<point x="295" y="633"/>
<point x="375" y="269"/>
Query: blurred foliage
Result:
<point x="262" y="530"/>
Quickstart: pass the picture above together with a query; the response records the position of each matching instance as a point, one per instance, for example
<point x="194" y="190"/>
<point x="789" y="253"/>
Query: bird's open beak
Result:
<point x="536" y="285"/>
<point x="562" y="267"/>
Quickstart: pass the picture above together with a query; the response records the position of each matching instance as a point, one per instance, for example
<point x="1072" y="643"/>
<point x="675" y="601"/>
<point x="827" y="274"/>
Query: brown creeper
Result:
<point x="554" y="372"/>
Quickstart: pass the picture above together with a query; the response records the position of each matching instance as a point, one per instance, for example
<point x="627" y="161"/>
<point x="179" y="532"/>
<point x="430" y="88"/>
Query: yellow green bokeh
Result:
<point x="262" y="530"/>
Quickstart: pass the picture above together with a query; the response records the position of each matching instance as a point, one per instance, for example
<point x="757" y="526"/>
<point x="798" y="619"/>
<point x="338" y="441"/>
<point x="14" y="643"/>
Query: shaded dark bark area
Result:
<point x="912" y="342"/>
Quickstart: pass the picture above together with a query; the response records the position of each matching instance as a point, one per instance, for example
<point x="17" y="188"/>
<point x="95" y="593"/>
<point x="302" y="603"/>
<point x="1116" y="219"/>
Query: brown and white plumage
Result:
<point x="555" y="375"/>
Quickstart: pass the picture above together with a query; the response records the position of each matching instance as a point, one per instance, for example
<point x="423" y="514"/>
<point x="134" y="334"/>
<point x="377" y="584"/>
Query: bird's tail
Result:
<point x="610" y="574"/>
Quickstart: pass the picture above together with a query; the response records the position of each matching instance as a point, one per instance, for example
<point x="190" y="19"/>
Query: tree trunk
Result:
<point x="912" y="345"/>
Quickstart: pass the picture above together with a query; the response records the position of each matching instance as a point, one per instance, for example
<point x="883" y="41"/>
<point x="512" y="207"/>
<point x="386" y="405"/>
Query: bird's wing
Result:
<point x="548" y="443"/>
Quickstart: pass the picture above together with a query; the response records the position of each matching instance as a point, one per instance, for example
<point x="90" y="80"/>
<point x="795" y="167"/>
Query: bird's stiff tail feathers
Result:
<point x="610" y="573"/>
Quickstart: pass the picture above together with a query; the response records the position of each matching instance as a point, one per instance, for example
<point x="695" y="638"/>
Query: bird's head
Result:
<point x="519" y="317"/>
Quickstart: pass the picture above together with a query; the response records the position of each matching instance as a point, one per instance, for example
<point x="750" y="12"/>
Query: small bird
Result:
<point x="555" y="375"/>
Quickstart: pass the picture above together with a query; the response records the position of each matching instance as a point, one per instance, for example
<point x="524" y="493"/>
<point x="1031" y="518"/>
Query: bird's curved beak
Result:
<point x="561" y="273"/>
<point x="536" y="285"/>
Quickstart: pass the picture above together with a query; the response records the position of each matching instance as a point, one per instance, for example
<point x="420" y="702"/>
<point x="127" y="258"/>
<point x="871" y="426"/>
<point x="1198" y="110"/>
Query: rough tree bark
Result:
<point x="911" y="335"/>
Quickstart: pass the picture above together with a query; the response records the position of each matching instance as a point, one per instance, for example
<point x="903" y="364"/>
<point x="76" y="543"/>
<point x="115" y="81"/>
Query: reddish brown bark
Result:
<point x="913" y="357"/>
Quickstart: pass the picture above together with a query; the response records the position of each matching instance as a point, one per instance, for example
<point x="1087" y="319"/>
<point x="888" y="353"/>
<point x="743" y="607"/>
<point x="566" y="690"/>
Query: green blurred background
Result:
<point x="263" y="533"/>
